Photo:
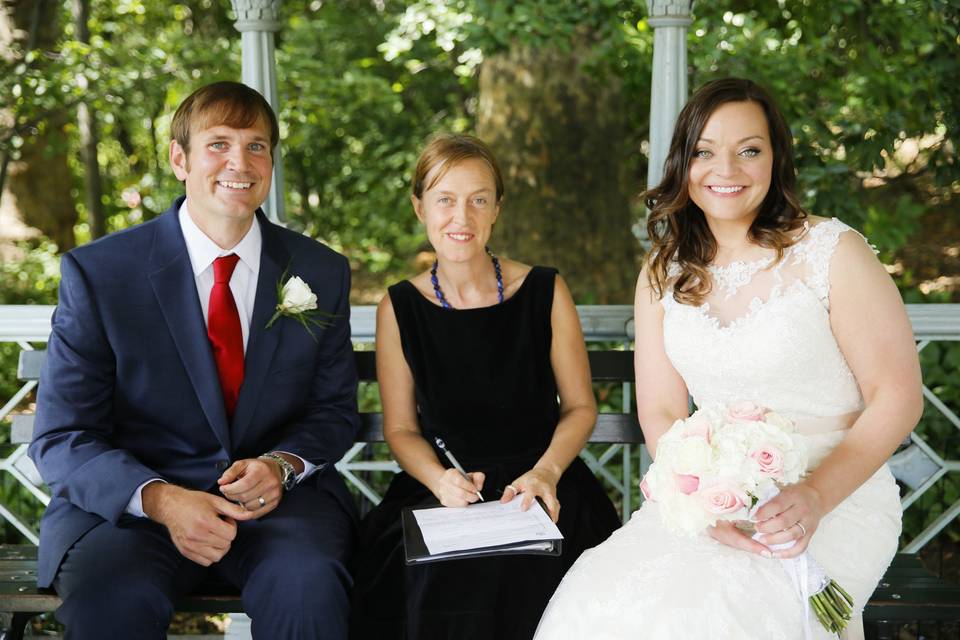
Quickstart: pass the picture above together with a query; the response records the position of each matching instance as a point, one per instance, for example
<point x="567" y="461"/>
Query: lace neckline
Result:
<point x="731" y="277"/>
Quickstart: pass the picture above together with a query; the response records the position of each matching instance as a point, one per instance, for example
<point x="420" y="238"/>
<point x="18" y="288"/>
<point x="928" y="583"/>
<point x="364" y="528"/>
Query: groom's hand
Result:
<point x="253" y="483"/>
<point x="201" y="525"/>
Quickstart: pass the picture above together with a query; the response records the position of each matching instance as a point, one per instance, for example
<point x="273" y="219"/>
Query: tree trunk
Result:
<point x="39" y="181"/>
<point x="87" y="128"/>
<point x="559" y="132"/>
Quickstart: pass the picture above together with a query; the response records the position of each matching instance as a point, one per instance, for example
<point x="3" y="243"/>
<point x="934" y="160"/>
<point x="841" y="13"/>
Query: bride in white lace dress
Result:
<point x="746" y="297"/>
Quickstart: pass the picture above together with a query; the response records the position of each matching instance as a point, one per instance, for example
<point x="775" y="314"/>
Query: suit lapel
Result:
<point x="262" y="343"/>
<point x="171" y="276"/>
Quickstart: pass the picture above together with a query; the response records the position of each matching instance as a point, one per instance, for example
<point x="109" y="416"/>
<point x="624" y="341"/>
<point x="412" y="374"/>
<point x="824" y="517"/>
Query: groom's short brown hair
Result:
<point x="223" y="103"/>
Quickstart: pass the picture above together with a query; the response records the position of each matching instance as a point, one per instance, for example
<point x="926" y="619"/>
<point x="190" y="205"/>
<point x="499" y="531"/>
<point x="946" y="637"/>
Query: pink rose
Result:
<point x="686" y="484"/>
<point x="770" y="460"/>
<point x="746" y="412"/>
<point x="697" y="426"/>
<point x="722" y="497"/>
<point x="645" y="489"/>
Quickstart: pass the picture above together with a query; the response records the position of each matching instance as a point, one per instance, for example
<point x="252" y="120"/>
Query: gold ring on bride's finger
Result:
<point x="803" y="529"/>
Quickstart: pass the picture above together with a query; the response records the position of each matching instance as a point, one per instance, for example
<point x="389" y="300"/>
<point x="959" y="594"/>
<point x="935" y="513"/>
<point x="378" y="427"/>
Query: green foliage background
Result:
<point x="363" y="83"/>
<point x="869" y="88"/>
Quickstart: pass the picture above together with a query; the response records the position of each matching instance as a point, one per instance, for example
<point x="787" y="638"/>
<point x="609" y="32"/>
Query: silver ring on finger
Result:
<point x="512" y="488"/>
<point x="263" y="502"/>
<point x="803" y="529"/>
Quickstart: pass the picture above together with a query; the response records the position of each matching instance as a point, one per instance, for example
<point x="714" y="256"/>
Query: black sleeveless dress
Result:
<point x="484" y="383"/>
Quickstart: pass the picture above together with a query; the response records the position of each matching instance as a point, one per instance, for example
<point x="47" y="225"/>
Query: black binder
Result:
<point x="416" y="550"/>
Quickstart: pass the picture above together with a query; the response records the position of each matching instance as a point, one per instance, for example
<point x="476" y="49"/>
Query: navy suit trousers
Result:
<point x="290" y="566"/>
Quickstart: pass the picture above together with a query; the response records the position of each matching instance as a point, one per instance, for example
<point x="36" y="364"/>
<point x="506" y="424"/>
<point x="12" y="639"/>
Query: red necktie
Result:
<point x="223" y="329"/>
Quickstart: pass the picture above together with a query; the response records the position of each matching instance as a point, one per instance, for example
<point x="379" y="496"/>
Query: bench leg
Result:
<point x="15" y="625"/>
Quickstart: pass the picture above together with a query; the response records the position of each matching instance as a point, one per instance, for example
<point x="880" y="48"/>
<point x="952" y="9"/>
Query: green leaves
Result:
<point x="867" y="90"/>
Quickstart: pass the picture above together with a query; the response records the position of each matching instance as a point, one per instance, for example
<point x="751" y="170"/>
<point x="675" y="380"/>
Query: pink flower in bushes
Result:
<point x="770" y="460"/>
<point x="686" y="484"/>
<point x="722" y="497"/>
<point x="746" y="411"/>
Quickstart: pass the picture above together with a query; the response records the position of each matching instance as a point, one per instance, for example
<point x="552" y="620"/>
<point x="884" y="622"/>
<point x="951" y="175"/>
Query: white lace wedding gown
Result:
<point x="763" y="335"/>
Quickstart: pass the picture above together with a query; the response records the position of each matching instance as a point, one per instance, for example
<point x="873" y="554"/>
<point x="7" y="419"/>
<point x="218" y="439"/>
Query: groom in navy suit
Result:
<point x="181" y="432"/>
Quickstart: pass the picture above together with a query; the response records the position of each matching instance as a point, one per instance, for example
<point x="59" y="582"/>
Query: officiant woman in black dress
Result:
<point x="476" y="351"/>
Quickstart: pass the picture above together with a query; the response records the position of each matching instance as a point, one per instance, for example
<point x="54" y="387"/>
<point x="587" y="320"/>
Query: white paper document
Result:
<point x="486" y="524"/>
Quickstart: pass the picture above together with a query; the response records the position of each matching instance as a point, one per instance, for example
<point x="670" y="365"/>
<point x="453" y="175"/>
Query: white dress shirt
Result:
<point x="243" y="285"/>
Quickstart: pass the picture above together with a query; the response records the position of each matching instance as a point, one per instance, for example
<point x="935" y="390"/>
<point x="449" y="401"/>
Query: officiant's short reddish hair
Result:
<point x="223" y="103"/>
<point x="446" y="150"/>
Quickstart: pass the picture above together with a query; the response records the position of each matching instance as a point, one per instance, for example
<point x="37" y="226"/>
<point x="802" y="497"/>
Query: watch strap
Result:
<point x="289" y="474"/>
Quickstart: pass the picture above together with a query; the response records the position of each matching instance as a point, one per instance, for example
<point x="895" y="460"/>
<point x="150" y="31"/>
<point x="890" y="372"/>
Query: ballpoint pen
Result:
<point x="456" y="465"/>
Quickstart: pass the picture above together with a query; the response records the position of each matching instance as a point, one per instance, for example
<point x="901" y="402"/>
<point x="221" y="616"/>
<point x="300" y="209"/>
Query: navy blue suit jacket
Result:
<point x="129" y="389"/>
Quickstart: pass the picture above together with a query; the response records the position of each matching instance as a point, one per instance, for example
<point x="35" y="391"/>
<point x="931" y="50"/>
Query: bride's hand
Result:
<point x="535" y="483"/>
<point x="794" y="514"/>
<point x="729" y="534"/>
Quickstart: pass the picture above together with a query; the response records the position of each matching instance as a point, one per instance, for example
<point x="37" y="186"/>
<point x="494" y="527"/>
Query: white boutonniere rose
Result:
<point x="296" y="300"/>
<point x="296" y="297"/>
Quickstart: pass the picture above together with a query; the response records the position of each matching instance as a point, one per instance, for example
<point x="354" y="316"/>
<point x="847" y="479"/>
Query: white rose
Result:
<point x="796" y="461"/>
<point x="685" y="515"/>
<point x="689" y="456"/>
<point x="777" y="420"/>
<point x="673" y="434"/>
<point x="297" y="297"/>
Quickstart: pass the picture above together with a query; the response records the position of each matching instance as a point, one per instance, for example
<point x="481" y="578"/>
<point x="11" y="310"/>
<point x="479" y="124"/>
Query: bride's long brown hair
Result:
<point x="677" y="227"/>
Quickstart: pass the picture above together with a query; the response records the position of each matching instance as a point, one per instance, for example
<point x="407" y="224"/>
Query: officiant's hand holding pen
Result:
<point x="465" y="486"/>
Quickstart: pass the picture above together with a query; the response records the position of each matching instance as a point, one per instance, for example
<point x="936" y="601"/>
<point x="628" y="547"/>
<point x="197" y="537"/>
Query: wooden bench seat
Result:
<point x="907" y="593"/>
<point x="20" y="599"/>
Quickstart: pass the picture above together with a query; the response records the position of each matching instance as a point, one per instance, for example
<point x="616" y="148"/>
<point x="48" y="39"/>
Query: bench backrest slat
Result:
<point x="610" y="428"/>
<point x="29" y="364"/>
<point x="605" y="366"/>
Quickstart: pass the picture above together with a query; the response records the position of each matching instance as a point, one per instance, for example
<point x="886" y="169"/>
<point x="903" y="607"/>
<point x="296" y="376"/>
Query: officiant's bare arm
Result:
<point x="873" y="331"/>
<point x="401" y="429"/>
<point x="661" y="392"/>
<point x="578" y="407"/>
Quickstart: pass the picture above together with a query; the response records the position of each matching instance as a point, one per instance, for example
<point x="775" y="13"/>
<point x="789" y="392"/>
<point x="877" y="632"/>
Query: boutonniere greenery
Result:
<point x="296" y="300"/>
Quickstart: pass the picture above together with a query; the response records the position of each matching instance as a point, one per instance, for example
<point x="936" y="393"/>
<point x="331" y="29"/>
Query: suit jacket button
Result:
<point x="222" y="465"/>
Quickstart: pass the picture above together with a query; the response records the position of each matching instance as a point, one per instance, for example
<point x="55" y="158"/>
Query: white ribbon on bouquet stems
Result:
<point x="808" y="577"/>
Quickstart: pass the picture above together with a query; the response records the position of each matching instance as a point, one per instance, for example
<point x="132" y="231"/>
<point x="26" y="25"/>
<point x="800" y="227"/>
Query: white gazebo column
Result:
<point x="668" y="93"/>
<point x="257" y="22"/>
<point x="668" y="89"/>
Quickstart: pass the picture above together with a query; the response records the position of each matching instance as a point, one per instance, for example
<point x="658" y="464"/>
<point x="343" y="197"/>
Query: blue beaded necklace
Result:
<point x="443" y="299"/>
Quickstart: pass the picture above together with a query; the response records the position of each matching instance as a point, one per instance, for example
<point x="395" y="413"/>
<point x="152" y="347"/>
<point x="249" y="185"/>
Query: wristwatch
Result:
<point x="289" y="479"/>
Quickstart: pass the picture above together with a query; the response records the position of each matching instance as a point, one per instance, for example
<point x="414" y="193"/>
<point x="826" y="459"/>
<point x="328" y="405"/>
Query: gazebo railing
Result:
<point x="920" y="467"/>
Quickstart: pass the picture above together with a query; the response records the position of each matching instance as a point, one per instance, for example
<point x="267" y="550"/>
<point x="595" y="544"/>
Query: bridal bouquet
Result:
<point x="724" y="463"/>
